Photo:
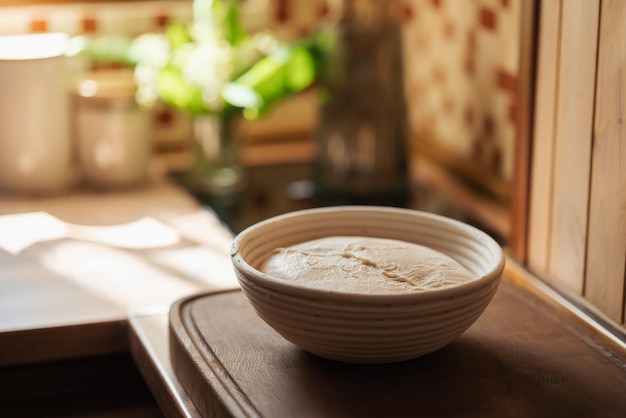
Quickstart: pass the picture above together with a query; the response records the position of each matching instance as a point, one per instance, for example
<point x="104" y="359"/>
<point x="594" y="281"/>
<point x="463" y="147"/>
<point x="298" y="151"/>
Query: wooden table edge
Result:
<point x="164" y="385"/>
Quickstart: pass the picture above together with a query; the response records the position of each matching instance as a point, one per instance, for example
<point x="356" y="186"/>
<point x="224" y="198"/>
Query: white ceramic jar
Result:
<point x="35" y="140"/>
<point x="113" y="133"/>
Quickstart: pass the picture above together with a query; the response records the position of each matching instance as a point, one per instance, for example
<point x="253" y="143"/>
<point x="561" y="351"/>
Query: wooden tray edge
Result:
<point x="207" y="382"/>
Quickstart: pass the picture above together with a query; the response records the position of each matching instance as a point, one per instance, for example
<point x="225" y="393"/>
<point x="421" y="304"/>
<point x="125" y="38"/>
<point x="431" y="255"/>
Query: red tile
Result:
<point x="408" y="13"/>
<point x="89" y="25"/>
<point x="163" y="116"/>
<point x="449" y="29"/>
<point x="324" y="10"/>
<point x="506" y="81"/>
<point x="161" y="21"/>
<point x="38" y="25"/>
<point x="487" y="18"/>
<point x="282" y="10"/>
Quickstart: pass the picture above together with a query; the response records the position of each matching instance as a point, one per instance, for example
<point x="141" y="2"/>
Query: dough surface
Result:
<point x="365" y="265"/>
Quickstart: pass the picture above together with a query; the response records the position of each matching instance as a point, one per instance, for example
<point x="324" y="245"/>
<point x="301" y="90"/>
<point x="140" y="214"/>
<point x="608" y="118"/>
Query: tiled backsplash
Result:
<point x="461" y="60"/>
<point x="130" y="18"/>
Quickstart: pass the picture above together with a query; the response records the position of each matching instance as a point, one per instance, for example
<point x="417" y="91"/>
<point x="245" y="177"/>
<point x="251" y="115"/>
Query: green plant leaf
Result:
<point x="178" y="35"/>
<point x="289" y="70"/>
<point x="109" y="49"/>
<point x="175" y="91"/>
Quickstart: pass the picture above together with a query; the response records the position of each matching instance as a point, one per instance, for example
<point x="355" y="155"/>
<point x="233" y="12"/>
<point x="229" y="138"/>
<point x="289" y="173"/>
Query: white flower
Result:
<point x="151" y="49"/>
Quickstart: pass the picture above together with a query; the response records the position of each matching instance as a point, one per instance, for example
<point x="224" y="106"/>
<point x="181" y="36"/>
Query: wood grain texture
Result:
<point x="205" y="379"/>
<point x="520" y="359"/>
<point x="606" y="246"/>
<point x="520" y="194"/>
<point x="574" y="121"/>
<point x="540" y="201"/>
<point x="150" y="350"/>
<point x="62" y="342"/>
<point x="67" y="297"/>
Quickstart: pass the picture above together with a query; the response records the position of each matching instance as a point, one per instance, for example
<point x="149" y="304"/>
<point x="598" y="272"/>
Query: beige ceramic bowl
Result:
<point x="368" y="328"/>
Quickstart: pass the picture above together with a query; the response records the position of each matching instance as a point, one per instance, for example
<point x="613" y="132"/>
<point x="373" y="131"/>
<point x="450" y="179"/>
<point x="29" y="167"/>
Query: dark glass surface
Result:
<point x="272" y="190"/>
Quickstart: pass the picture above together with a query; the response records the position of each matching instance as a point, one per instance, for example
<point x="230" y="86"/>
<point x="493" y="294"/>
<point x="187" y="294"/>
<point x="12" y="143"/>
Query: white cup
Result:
<point x="113" y="134"/>
<point x="35" y="139"/>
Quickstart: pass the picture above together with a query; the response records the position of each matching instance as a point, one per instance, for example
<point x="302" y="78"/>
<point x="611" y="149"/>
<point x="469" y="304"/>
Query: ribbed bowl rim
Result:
<point x="496" y="257"/>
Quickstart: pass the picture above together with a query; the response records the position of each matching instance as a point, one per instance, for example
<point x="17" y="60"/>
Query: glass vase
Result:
<point x="362" y="137"/>
<point x="216" y="176"/>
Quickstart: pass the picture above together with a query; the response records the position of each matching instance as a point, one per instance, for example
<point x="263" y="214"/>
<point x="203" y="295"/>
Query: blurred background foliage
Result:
<point x="211" y="66"/>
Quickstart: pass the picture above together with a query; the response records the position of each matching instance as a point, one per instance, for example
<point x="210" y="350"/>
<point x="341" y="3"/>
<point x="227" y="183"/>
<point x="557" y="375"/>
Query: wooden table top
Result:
<point x="522" y="358"/>
<point x="68" y="292"/>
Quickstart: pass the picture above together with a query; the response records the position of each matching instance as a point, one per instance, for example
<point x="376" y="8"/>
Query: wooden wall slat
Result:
<point x="543" y="135"/>
<point x="606" y="246"/>
<point x="574" y="120"/>
<point x="520" y="194"/>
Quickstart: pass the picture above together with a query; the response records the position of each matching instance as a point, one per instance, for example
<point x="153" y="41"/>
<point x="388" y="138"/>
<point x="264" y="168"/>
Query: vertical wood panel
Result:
<point x="577" y="68"/>
<point x="543" y="135"/>
<point x="520" y="197"/>
<point x="604" y="284"/>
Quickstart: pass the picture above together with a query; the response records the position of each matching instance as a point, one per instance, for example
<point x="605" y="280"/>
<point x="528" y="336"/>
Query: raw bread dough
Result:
<point x="365" y="265"/>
